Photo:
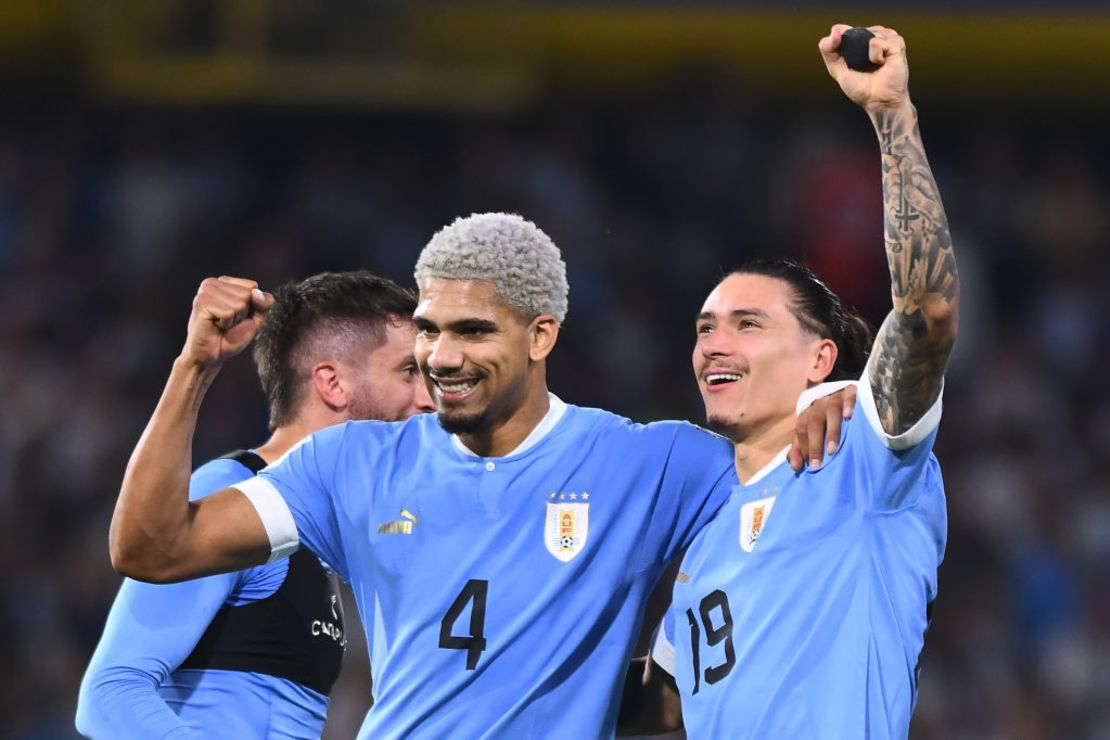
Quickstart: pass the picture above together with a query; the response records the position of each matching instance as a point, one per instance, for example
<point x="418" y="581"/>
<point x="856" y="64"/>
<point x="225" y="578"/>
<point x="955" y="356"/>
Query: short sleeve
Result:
<point x="301" y="486"/>
<point x="894" y="465"/>
<point x="698" y="477"/>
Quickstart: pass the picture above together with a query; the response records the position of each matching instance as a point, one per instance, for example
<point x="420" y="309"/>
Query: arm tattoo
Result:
<point x="912" y="347"/>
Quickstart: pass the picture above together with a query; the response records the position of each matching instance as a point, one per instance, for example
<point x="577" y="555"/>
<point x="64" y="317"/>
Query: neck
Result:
<point x="503" y="438"/>
<point x="285" y="437"/>
<point x="753" y="452"/>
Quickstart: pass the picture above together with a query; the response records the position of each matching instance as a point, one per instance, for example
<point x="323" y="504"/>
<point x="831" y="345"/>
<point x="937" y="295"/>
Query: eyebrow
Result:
<point x="459" y="325"/>
<point x="736" y="313"/>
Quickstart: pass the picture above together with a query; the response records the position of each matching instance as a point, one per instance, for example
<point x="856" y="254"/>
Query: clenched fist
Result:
<point x="885" y="88"/>
<point x="227" y="313"/>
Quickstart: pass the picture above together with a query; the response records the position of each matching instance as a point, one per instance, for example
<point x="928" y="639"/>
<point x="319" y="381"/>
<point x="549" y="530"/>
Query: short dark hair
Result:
<point x="332" y="312"/>
<point x="820" y="312"/>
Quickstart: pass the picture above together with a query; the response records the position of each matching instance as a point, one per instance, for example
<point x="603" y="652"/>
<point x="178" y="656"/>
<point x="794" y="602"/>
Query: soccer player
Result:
<point x="500" y="551"/>
<point x="801" y="609"/>
<point x="254" y="653"/>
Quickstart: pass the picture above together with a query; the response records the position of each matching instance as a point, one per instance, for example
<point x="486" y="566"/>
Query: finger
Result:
<point x="801" y="435"/>
<point x="876" y="51"/>
<point x="816" y="431"/>
<point x="261" y="300"/>
<point x="227" y="316"/>
<point x="829" y="46"/>
<point x="795" y="457"/>
<point x="882" y="48"/>
<point x="831" y="42"/>
<point x="223" y="303"/>
<point x="834" y="418"/>
<point x="849" y="402"/>
<point x="244" y="282"/>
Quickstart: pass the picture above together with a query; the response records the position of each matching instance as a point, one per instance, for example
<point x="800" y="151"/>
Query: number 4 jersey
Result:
<point x="501" y="596"/>
<point x="800" y="610"/>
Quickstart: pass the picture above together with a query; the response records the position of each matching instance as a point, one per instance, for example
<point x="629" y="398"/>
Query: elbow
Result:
<point x="138" y="560"/>
<point x="87" y="719"/>
<point x="942" y="321"/>
<point x="124" y="553"/>
<point x="81" y="721"/>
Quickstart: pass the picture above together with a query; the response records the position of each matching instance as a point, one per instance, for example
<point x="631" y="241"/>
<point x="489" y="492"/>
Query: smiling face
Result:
<point x="753" y="358"/>
<point x="474" y="352"/>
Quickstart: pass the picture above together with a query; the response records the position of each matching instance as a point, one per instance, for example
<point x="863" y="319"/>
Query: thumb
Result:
<point x="261" y="303"/>
<point x="261" y="300"/>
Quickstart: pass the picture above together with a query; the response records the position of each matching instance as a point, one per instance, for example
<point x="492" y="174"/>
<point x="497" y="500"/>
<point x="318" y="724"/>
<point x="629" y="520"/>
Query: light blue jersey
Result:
<point x="800" y="611"/>
<point x="133" y="687"/>
<point x="501" y="596"/>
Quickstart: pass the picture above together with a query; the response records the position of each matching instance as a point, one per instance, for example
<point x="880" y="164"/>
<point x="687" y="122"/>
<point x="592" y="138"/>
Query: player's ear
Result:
<point x="328" y="386"/>
<point x="543" y="331"/>
<point x="824" y="359"/>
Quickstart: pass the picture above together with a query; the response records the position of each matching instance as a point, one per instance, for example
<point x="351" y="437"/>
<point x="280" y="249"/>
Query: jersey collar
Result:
<point x="777" y="460"/>
<point x="555" y="411"/>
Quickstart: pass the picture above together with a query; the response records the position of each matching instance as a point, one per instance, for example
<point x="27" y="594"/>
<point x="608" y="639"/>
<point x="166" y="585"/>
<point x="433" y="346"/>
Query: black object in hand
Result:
<point x="854" y="48"/>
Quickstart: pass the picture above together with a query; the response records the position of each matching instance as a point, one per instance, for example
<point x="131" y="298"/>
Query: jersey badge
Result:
<point x="566" y="528"/>
<point x="753" y="517"/>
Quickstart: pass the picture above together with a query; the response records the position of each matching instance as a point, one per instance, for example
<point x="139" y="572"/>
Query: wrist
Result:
<point x="881" y="111"/>
<point x="193" y="373"/>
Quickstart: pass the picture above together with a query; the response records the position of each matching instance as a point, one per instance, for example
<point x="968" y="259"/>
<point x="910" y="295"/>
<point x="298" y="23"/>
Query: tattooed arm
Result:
<point x="911" y="351"/>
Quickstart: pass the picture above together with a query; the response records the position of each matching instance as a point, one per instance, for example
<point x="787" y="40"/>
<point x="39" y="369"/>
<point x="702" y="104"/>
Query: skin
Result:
<point x="910" y="353"/>
<point x="222" y="532"/>
<point x="468" y="339"/>
<point x="746" y="330"/>
<point x="384" y="383"/>
<point x="913" y="345"/>
<point x="463" y="332"/>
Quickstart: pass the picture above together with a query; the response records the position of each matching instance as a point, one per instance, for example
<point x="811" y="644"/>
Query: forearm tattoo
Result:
<point x="913" y="345"/>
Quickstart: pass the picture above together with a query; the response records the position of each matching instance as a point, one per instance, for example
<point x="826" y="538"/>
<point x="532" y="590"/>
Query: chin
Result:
<point x="725" y="426"/>
<point x="454" y="422"/>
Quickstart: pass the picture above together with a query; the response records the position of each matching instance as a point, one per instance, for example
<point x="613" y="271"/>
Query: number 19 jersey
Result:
<point x="501" y="596"/>
<point x="800" y="610"/>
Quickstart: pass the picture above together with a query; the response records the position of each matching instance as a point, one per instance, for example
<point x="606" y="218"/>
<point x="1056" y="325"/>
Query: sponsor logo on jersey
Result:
<point x="753" y="517"/>
<point x="399" y="526"/>
<point x="320" y="627"/>
<point x="567" y="526"/>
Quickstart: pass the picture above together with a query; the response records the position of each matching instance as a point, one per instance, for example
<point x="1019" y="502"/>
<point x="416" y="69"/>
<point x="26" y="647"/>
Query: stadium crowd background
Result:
<point x="115" y="203"/>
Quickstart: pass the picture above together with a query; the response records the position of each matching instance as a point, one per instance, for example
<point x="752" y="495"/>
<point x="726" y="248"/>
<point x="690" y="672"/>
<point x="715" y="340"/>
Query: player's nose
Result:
<point x="445" y="355"/>
<point x="715" y="344"/>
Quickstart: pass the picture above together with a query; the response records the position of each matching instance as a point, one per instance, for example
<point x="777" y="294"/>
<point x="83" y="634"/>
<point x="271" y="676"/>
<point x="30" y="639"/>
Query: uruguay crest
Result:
<point x="753" y="518"/>
<point x="566" y="528"/>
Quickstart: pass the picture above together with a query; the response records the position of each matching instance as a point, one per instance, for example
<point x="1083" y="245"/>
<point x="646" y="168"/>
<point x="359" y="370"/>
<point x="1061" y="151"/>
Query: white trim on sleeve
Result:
<point x="909" y="438"/>
<point x="275" y="516"/>
<point x="662" y="651"/>
<point x="809" y="395"/>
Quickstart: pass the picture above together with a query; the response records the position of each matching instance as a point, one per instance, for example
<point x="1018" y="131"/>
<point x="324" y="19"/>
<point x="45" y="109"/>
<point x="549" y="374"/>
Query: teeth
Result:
<point x="716" y="378"/>
<point x="456" y="387"/>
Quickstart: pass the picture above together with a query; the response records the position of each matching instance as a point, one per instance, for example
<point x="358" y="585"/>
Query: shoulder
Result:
<point x="215" y="475"/>
<point x="371" y="433"/>
<point x="924" y="430"/>
<point x="653" y="435"/>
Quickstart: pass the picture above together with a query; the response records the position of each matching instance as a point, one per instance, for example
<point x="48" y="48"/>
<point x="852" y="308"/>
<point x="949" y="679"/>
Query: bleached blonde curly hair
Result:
<point x="524" y="265"/>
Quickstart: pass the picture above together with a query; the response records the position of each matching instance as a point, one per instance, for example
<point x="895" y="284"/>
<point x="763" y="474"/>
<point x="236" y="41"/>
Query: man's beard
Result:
<point x="724" y="426"/>
<point x="462" y="423"/>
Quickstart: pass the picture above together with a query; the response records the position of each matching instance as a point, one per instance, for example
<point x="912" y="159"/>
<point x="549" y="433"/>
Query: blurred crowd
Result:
<point x="110" y="217"/>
